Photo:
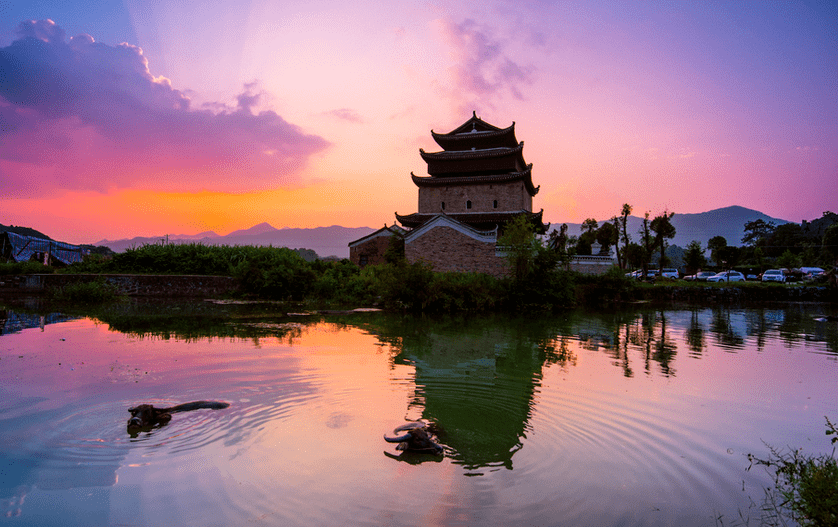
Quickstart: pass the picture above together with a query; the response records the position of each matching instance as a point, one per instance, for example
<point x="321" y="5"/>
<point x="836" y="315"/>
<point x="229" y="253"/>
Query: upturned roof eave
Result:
<point x="434" y="181"/>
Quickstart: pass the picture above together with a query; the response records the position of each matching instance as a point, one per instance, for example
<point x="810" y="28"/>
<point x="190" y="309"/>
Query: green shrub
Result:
<point x="472" y="292"/>
<point x="30" y="267"/>
<point x="88" y="292"/>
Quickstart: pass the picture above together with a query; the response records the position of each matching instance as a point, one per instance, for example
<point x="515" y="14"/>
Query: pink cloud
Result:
<point x="84" y="115"/>
<point x="346" y="114"/>
<point x="482" y="71"/>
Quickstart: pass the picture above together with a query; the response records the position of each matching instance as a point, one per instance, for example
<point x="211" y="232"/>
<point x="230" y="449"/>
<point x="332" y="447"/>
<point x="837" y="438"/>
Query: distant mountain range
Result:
<point x="325" y="241"/>
<point x="728" y="222"/>
<point x="334" y="241"/>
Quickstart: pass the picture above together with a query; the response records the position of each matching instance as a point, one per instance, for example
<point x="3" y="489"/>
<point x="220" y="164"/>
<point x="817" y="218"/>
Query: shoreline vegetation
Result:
<point x="537" y="281"/>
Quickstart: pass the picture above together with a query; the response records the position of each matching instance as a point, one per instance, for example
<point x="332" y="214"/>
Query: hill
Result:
<point x="325" y="241"/>
<point x="24" y="231"/>
<point x="728" y="222"/>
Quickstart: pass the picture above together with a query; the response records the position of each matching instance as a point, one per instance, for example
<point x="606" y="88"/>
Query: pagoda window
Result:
<point x="468" y="204"/>
<point x="443" y="205"/>
<point x="495" y="204"/>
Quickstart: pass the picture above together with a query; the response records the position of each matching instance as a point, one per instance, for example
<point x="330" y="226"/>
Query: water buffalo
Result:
<point x="145" y="416"/>
<point x="417" y="438"/>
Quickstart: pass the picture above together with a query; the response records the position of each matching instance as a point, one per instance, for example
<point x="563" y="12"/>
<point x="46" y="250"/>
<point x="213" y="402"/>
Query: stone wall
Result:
<point x="132" y="285"/>
<point x="510" y="196"/>
<point x="591" y="264"/>
<point x="449" y="250"/>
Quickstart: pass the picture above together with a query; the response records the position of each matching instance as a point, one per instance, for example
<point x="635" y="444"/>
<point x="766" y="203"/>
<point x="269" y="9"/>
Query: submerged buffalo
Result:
<point x="145" y="416"/>
<point x="417" y="437"/>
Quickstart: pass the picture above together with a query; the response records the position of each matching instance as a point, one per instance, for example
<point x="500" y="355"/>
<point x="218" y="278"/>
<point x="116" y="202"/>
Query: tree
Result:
<point x="520" y="242"/>
<point x="560" y="243"/>
<point x="694" y="257"/>
<point x="788" y="260"/>
<point x="664" y="230"/>
<point x="622" y="229"/>
<point x="633" y="255"/>
<point x="729" y="256"/>
<point x="757" y="232"/>
<point x="590" y="225"/>
<point x="714" y="244"/>
<point x="829" y="243"/>
<point x="606" y="236"/>
<point x="647" y="242"/>
<point x="788" y="236"/>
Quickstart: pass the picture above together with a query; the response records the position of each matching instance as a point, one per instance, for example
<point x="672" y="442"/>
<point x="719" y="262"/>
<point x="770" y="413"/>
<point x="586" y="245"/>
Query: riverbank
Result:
<point x="585" y="290"/>
<point x="169" y="286"/>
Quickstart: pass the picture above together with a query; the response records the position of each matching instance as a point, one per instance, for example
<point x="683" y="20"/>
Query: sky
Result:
<point x="130" y="118"/>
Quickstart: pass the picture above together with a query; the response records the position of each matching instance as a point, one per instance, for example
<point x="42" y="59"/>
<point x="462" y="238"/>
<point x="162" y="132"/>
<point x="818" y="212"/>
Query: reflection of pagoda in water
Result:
<point x="477" y="382"/>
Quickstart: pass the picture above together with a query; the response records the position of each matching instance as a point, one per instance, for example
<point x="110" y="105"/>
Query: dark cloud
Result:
<point x="86" y="115"/>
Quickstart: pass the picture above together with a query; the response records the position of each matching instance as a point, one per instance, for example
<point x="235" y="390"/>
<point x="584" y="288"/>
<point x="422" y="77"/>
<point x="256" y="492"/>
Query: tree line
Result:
<point x="764" y="244"/>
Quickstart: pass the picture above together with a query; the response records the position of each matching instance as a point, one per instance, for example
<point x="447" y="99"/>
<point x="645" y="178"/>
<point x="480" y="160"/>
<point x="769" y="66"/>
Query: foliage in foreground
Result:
<point x="31" y="267"/>
<point x="805" y="487"/>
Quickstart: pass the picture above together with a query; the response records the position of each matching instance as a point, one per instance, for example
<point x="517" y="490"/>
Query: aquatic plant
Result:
<point x="805" y="487"/>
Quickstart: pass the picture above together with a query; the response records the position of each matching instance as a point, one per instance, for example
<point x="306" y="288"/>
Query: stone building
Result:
<point x="370" y="249"/>
<point x="475" y="185"/>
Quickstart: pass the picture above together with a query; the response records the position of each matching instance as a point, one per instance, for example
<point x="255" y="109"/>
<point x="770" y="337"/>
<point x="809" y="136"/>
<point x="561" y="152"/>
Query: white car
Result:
<point x="773" y="275"/>
<point x="670" y="273"/>
<point x="727" y="276"/>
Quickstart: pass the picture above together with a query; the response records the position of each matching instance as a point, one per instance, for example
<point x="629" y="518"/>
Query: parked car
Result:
<point x="813" y="275"/>
<point x="811" y="270"/>
<point x="793" y="275"/>
<point x="700" y="276"/>
<point x="727" y="276"/>
<point x="670" y="273"/>
<point x="774" y="275"/>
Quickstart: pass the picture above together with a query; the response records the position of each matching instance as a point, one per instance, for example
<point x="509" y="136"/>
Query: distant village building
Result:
<point x="599" y="261"/>
<point x="370" y="249"/>
<point x="476" y="185"/>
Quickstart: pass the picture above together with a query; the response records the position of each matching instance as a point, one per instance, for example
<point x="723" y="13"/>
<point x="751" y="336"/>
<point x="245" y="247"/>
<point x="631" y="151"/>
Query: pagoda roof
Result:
<point x="475" y="124"/>
<point x="525" y="175"/>
<point x="475" y="218"/>
<point x="476" y="133"/>
<point x="484" y="153"/>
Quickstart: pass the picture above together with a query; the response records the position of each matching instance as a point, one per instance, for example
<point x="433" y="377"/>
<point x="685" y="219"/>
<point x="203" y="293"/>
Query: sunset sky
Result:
<point x="130" y="118"/>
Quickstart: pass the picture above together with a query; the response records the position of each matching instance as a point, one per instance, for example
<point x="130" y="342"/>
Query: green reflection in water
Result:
<point x="479" y="378"/>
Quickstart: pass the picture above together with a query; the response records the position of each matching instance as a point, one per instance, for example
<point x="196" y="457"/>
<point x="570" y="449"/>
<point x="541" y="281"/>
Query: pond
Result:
<point x="636" y="417"/>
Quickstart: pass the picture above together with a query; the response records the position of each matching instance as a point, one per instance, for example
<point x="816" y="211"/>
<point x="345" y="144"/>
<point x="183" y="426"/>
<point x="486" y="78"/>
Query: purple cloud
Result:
<point x="481" y="70"/>
<point x="84" y="115"/>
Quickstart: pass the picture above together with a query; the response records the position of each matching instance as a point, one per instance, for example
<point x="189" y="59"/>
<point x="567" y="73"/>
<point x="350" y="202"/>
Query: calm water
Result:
<point x="630" y="418"/>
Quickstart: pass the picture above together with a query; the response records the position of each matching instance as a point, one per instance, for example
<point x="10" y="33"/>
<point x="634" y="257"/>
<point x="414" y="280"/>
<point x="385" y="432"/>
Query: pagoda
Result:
<point x="479" y="178"/>
<point x="474" y="187"/>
